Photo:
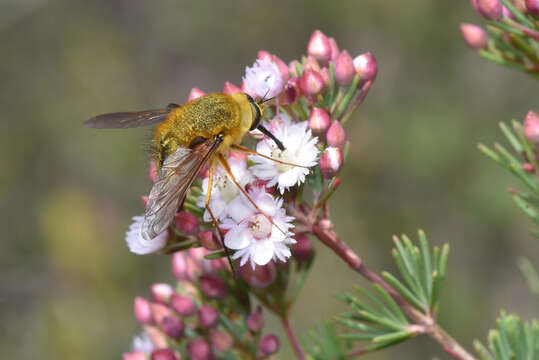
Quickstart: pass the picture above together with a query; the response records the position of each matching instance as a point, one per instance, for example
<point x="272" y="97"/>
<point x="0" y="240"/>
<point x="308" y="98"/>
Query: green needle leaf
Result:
<point x="511" y="137"/>
<point x="393" y="337"/>
<point x="401" y="289"/>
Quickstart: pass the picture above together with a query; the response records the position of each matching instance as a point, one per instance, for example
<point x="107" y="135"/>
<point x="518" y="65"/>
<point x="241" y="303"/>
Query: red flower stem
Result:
<point x="324" y="232"/>
<point x="292" y="337"/>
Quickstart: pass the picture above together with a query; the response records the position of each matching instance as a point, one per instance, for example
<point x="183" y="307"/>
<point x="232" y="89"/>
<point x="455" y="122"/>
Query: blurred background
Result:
<point x="67" y="193"/>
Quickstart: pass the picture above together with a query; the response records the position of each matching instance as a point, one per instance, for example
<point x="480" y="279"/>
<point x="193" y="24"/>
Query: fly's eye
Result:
<point x="251" y="100"/>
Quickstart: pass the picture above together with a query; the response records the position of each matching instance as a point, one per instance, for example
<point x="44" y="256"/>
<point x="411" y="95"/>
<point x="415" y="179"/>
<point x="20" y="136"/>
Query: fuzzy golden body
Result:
<point x="229" y="115"/>
<point x="187" y="137"/>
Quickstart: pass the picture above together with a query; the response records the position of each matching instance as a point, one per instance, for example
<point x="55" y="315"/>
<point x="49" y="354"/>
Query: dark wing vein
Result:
<point x="173" y="180"/>
<point x="124" y="120"/>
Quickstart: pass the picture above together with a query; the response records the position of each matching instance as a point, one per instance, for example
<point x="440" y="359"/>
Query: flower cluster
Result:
<point x="263" y="227"/>
<point x="513" y="33"/>
<point x="313" y="98"/>
<point x="206" y="316"/>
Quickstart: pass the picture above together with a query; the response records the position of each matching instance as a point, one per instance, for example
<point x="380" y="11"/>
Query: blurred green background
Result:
<point x="67" y="193"/>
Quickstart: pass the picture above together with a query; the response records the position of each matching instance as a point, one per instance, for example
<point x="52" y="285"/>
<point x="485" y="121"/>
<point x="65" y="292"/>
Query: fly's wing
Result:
<point x="173" y="180"/>
<point x="125" y="120"/>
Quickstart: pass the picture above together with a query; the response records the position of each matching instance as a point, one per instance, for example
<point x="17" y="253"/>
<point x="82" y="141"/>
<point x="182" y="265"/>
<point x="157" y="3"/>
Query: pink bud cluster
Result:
<point x="323" y="54"/>
<point x="196" y="306"/>
<point x="305" y="105"/>
<point x="517" y="26"/>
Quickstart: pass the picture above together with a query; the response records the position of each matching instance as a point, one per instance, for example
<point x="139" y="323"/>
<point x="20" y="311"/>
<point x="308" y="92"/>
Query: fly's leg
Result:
<point x="252" y="152"/>
<point x="224" y="163"/>
<point x="213" y="218"/>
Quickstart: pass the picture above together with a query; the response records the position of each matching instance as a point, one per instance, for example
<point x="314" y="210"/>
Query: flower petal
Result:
<point x="262" y="251"/>
<point x="238" y="237"/>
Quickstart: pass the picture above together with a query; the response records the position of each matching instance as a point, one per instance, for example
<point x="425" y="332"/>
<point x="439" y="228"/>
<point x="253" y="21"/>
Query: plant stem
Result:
<point x="323" y="230"/>
<point x="357" y="352"/>
<point x="292" y="337"/>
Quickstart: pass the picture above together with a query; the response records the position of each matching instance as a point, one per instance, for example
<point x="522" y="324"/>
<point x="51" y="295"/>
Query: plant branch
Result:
<point x="292" y="337"/>
<point x="323" y="230"/>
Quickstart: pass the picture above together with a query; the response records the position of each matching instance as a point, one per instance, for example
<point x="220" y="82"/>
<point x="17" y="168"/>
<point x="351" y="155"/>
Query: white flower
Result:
<point x="252" y="235"/>
<point x="137" y="244"/>
<point x="143" y="343"/>
<point x="223" y="189"/>
<point x="300" y="149"/>
<point x="264" y="79"/>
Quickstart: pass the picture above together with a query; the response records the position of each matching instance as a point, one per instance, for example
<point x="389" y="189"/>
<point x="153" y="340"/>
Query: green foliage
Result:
<point x="528" y="201"/>
<point x="378" y="320"/>
<point x="513" y="339"/>
<point x="423" y="272"/>
<point x="531" y="275"/>
<point x="324" y="343"/>
<point x="375" y="316"/>
<point x="513" y="42"/>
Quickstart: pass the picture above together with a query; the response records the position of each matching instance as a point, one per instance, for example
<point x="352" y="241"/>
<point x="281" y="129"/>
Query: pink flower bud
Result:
<point x="334" y="48"/>
<point x="260" y="277"/>
<point x="142" y="310"/>
<point x="507" y="14"/>
<point x="302" y="249"/>
<point x="220" y="264"/>
<point x="283" y="68"/>
<point x="533" y="6"/>
<point x="319" y="47"/>
<point x="172" y="326"/>
<point x="291" y="92"/>
<point x="531" y="127"/>
<point x="212" y="286"/>
<point x="311" y="64"/>
<point x="199" y="349"/>
<point x="187" y="223"/>
<point x="152" y="170"/>
<point x="208" y="317"/>
<point x="209" y="240"/>
<point x="292" y="68"/>
<point x="311" y="83"/>
<point x="230" y="88"/>
<point x="529" y="168"/>
<point x="474" y="36"/>
<point x="366" y="66"/>
<point x="220" y="340"/>
<point x="319" y="121"/>
<point x="156" y="336"/>
<point x="159" y="312"/>
<point x="161" y="292"/>
<point x="264" y="55"/>
<point x="490" y="9"/>
<point x="163" y="354"/>
<point x="183" y="305"/>
<point x="331" y="162"/>
<point x="195" y="94"/>
<point x="179" y="266"/>
<point x="326" y="75"/>
<point x="255" y="321"/>
<point x="134" y="355"/>
<point x="269" y="344"/>
<point x="336" y="135"/>
<point x="474" y="5"/>
<point x="520" y="5"/>
<point x="344" y="69"/>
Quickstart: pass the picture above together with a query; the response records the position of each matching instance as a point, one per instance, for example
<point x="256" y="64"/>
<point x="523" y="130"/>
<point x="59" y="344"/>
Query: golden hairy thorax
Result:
<point x="205" y="117"/>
